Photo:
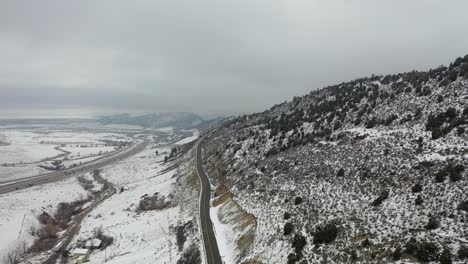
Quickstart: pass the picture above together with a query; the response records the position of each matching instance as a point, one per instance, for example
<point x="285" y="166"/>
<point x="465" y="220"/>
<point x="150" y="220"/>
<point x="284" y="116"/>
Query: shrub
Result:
<point x="325" y="234"/>
<point x="353" y="255"/>
<point x="383" y="195"/>
<point x="418" y="200"/>
<point x="366" y="243"/>
<point x="340" y="173"/>
<point x="297" y="200"/>
<point x="440" y="176"/>
<point x="191" y="255"/>
<point x="411" y="245"/>
<point x="389" y="120"/>
<point x="298" y="244"/>
<point x="64" y="213"/>
<point x="47" y="238"/>
<point x="155" y="202"/>
<point x="180" y="237"/>
<point x="457" y="62"/>
<point x="463" y="206"/>
<point x="288" y="228"/>
<point x="452" y="76"/>
<point x="105" y="240"/>
<point x="432" y="224"/>
<point x="416" y="188"/>
<point x="396" y="254"/>
<point x="45" y="218"/>
<point x="440" y="98"/>
<point x="455" y="171"/>
<point x="460" y="131"/>
<point x="371" y="123"/>
<point x="446" y="257"/>
<point x="463" y="252"/>
<point x="427" y="251"/>
<point x="85" y="183"/>
<point x="293" y="258"/>
<point x="286" y="216"/>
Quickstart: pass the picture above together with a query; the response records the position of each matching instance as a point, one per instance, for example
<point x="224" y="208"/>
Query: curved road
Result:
<point x="209" y="239"/>
<point x="14" y="185"/>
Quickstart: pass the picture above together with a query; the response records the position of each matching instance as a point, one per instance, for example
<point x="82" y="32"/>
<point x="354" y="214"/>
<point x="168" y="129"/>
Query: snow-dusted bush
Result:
<point x="325" y="233"/>
<point x="288" y="228"/>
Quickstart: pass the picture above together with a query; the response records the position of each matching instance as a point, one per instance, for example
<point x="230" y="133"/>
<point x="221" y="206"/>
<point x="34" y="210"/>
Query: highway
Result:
<point x="14" y="185"/>
<point x="209" y="239"/>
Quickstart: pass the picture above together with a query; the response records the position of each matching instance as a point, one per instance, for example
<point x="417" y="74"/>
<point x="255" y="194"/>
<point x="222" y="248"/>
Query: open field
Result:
<point x="37" y="151"/>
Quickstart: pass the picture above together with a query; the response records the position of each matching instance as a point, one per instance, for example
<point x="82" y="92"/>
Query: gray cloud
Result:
<point x="211" y="57"/>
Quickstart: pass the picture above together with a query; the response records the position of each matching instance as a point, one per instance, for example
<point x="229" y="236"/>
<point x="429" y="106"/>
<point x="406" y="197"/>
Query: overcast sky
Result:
<point x="210" y="57"/>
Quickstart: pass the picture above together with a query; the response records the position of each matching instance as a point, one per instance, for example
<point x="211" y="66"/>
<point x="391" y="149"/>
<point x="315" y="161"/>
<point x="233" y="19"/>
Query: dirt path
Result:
<point x="74" y="227"/>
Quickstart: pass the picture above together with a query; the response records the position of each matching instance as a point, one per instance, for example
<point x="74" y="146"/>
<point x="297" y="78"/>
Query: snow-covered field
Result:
<point x="19" y="210"/>
<point x="140" y="236"/>
<point x="76" y="151"/>
<point x="26" y="150"/>
<point x="12" y="172"/>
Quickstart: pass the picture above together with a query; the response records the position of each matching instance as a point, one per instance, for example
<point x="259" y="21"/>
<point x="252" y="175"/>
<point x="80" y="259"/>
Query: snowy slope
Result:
<point x="379" y="163"/>
<point x="144" y="236"/>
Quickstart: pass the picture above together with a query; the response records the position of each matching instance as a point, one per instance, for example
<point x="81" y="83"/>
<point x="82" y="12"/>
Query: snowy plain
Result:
<point x="27" y="150"/>
<point x="139" y="236"/>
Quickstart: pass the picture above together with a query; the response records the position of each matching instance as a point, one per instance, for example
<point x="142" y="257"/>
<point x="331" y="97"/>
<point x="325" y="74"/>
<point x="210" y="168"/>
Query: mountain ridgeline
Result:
<point x="179" y="120"/>
<point x="371" y="170"/>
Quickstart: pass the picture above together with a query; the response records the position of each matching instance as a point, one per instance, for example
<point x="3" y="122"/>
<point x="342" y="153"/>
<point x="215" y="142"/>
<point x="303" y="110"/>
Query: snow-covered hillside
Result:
<point x="371" y="170"/>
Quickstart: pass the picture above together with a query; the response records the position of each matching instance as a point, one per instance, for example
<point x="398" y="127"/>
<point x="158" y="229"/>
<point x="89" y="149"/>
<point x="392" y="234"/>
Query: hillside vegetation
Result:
<point x="372" y="170"/>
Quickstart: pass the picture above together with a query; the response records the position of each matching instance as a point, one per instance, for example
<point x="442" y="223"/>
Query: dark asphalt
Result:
<point x="14" y="185"/>
<point x="208" y="236"/>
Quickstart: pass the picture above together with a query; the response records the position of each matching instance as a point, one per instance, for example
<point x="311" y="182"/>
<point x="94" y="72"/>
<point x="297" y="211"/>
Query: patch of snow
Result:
<point x="224" y="233"/>
<point x="195" y="136"/>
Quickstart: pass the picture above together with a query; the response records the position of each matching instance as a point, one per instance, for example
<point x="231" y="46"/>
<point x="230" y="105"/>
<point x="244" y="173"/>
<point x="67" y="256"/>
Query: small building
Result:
<point x="93" y="243"/>
<point x="79" y="255"/>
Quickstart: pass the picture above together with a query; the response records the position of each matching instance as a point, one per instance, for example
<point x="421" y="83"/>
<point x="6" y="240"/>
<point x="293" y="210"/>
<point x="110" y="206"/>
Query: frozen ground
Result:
<point x="19" y="210"/>
<point x="26" y="150"/>
<point x="152" y="236"/>
<point x="143" y="236"/>
<point x="77" y="151"/>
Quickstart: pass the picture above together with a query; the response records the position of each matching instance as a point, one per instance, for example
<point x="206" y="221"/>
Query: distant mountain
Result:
<point x="179" y="120"/>
<point x="371" y="170"/>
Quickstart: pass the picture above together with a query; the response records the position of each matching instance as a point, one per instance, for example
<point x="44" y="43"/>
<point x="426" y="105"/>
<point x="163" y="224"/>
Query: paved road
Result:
<point x="14" y="185"/>
<point x="208" y="236"/>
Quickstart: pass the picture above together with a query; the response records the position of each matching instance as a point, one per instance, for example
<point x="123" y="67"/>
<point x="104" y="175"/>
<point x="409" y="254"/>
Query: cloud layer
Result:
<point x="211" y="57"/>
